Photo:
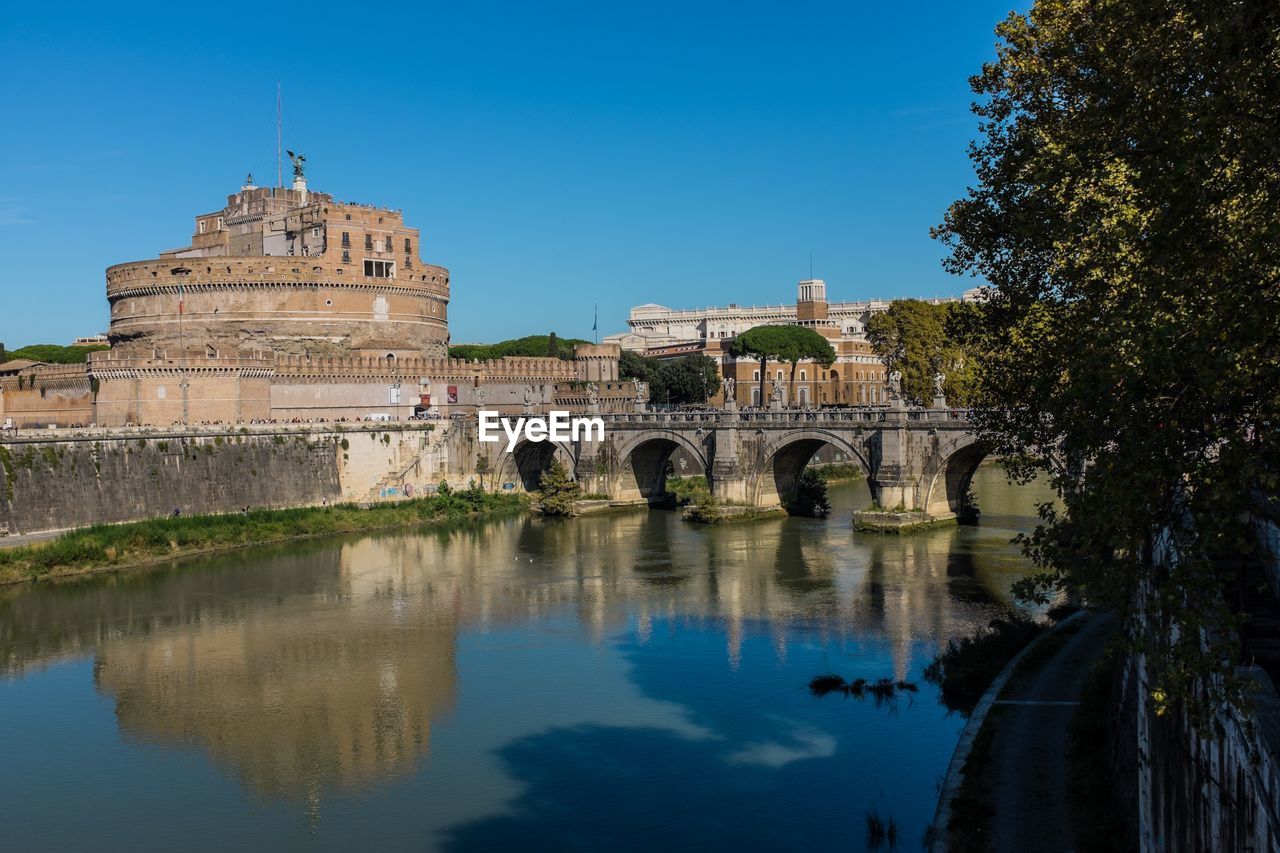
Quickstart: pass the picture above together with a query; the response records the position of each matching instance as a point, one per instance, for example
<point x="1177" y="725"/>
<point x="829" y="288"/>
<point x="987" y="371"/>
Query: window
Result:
<point x="755" y="375"/>
<point x="346" y="240"/>
<point x="203" y="224"/>
<point x="368" y="242"/>
<point x="804" y="375"/>
<point x="221" y="226"/>
<point x="380" y="269"/>
<point x="408" y="246"/>
<point x="346" y="257"/>
<point x="348" y="217"/>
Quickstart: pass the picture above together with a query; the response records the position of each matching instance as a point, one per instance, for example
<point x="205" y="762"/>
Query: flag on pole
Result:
<point x="595" y="325"/>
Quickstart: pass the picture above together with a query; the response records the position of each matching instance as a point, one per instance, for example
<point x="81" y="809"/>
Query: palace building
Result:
<point x="290" y="305"/>
<point x="856" y="378"/>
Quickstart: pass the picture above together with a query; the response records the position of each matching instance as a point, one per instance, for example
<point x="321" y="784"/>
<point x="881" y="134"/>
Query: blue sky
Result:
<point x="554" y="155"/>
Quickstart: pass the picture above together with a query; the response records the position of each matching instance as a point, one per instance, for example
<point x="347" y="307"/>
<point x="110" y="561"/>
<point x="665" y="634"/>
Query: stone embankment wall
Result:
<point x="70" y="478"/>
<point x="1193" y="791"/>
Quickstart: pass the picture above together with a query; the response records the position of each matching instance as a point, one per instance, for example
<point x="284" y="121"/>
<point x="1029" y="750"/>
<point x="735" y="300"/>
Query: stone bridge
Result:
<point x="918" y="460"/>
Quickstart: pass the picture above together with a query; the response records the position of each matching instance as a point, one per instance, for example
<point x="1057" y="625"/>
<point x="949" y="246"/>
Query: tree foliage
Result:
<point x="1127" y="216"/>
<point x="792" y="344"/>
<point x="556" y="491"/>
<point x="690" y="379"/>
<point x="916" y="339"/>
<point x="811" y="495"/>
<point x="55" y="353"/>
<point x="531" y="345"/>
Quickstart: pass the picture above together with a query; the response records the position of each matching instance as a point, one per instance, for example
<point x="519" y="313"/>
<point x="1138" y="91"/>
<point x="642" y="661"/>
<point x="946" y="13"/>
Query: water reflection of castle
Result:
<point x="326" y="668"/>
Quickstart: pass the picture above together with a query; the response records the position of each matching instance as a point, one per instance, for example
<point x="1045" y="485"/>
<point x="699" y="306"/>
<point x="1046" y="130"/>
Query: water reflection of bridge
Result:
<point x="324" y="666"/>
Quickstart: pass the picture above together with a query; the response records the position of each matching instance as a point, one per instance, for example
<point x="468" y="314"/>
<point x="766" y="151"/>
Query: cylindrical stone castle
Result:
<point x="285" y="271"/>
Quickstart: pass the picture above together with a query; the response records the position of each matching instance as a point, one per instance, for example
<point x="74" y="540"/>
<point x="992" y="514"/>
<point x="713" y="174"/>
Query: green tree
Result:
<point x="637" y="367"/>
<point x="792" y="344"/>
<point x="1126" y="216"/>
<point x="556" y="491"/>
<point x="530" y="345"/>
<point x="56" y="353"/>
<point x="914" y="339"/>
<point x="690" y="379"/>
<point x="811" y="495"/>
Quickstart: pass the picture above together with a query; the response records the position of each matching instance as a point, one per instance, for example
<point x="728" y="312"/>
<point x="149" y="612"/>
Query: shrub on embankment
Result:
<point x="117" y="545"/>
<point x="965" y="669"/>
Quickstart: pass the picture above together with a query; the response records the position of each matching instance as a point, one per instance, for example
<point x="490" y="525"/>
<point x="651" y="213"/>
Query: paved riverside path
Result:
<point x="14" y="540"/>
<point x="1027" y="776"/>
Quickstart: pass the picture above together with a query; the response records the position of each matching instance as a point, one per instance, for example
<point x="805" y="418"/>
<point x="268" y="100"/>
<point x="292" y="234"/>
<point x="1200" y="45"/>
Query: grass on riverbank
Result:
<point x="838" y="472"/>
<point x="688" y="489"/>
<point x="118" y="545"/>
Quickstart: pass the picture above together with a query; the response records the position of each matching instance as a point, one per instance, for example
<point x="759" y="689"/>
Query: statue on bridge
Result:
<point x="894" y="387"/>
<point x="730" y="399"/>
<point x="776" y="397"/>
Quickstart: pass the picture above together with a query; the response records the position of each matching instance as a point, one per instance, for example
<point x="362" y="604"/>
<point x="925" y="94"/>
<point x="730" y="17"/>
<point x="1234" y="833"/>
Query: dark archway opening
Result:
<point x="788" y="467"/>
<point x="531" y="459"/>
<point x="951" y="492"/>
<point x="648" y="471"/>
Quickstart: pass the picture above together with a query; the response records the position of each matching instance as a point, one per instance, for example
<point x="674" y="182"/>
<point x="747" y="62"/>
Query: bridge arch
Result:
<point x="524" y="464"/>
<point x="783" y="460"/>
<point x="640" y="471"/>
<point x="948" y="473"/>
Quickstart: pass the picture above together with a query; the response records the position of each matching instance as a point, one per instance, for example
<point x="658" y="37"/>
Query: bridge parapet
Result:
<point x="788" y="417"/>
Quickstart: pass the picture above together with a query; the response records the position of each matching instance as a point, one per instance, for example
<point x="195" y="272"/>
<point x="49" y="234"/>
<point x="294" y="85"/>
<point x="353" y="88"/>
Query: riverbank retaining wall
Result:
<point x="70" y="478"/>
<point x="1198" y="790"/>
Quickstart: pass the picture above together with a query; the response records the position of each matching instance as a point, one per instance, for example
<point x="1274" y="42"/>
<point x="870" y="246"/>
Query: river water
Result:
<point x="621" y="682"/>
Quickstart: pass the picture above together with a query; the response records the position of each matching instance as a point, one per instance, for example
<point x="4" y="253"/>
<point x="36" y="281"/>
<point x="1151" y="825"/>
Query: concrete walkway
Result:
<point x="1026" y="779"/>
<point x="14" y="540"/>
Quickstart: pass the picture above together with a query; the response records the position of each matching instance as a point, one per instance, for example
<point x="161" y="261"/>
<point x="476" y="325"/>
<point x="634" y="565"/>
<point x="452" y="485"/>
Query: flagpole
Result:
<point x="595" y="325"/>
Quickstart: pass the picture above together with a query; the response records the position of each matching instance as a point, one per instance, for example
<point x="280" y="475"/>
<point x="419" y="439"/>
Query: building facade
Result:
<point x="856" y="378"/>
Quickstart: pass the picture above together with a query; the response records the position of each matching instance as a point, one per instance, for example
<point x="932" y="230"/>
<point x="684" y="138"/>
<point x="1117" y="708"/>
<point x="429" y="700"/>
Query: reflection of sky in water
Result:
<point x="627" y="681"/>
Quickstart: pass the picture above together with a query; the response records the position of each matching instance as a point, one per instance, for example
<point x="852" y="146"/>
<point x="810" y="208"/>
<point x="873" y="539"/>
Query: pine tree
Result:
<point x="556" y="491"/>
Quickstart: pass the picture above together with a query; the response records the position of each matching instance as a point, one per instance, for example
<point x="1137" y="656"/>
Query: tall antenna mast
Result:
<point x="279" y="141"/>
